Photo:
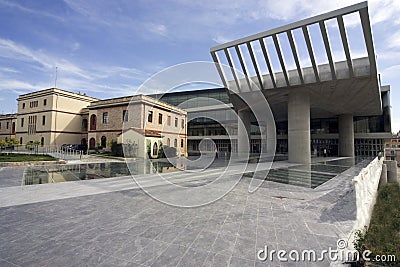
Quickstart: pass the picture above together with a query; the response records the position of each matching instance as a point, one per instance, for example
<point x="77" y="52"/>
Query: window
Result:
<point x="23" y="105"/>
<point x="103" y="141"/>
<point x="182" y="142"/>
<point x="150" y="116"/>
<point x="159" y="118"/>
<point x="175" y="143"/>
<point x="84" y="124"/>
<point x="32" y="125"/>
<point x="33" y="104"/>
<point x="20" y="140"/>
<point x="105" y="117"/>
<point x="0" y="125"/>
<point x="44" y="102"/>
<point x="92" y="143"/>
<point x="44" y="120"/>
<point x="168" y="142"/>
<point x="22" y="122"/>
<point x="93" y="122"/>
<point x="42" y="141"/>
<point x="7" y="125"/>
<point x="176" y="122"/>
<point x="169" y="120"/>
<point x="155" y="149"/>
<point x="124" y="115"/>
<point x="183" y="123"/>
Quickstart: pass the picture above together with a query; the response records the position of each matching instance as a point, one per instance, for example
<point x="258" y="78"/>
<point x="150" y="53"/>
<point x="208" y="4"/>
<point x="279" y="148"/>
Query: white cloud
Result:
<point x="159" y="29"/>
<point x="221" y="39"/>
<point x="9" y="70"/>
<point x="35" y="12"/>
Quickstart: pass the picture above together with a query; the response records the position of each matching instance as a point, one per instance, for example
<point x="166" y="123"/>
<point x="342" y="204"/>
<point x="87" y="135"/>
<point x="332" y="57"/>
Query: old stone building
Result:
<point x="55" y="117"/>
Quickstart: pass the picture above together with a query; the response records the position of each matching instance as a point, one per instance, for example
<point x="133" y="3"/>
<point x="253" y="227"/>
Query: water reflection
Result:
<point x="75" y="172"/>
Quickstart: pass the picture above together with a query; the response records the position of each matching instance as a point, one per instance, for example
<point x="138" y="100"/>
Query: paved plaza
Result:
<point x="122" y="226"/>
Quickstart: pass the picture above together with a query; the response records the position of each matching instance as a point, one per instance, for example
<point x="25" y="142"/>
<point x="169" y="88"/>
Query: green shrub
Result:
<point x="383" y="234"/>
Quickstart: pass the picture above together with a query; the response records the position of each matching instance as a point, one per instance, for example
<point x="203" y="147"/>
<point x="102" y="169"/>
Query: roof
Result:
<point x="128" y="100"/>
<point x="144" y="132"/>
<point x="329" y="84"/>
<point x="51" y="91"/>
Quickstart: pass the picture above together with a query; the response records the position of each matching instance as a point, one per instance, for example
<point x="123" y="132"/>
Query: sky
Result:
<point x="109" y="48"/>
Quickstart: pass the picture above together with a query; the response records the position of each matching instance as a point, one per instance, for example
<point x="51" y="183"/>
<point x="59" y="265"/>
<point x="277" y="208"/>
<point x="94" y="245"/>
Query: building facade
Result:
<point x="7" y="126"/>
<point x="370" y="132"/>
<point x="54" y="117"/>
<point x="334" y="106"/>
<point x="156" y="120"/>
<point x="392" y="149"/>
<point x="51" y="117"/>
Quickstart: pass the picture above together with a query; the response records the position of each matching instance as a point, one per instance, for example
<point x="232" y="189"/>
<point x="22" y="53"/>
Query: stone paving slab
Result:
<point x="128" y="228"/>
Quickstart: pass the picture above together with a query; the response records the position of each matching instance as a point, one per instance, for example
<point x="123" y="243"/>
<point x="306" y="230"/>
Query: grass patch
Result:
<point x="383" y="235"/>
<point x="14" y="157"/>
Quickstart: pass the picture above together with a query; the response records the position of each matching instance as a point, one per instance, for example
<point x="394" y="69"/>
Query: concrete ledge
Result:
<point x="26" y="163"/>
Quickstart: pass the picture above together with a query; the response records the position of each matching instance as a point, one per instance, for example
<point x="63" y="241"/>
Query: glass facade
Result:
<point x="324" y="132"/>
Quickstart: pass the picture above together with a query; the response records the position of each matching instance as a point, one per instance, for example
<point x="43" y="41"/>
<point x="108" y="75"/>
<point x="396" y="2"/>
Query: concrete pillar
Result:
<point x="244" y="127"/>
<point x="391" y="171"/>
<point x="383" y="179"/>
<point x="346" y="135"/>
<point x="299" y="139"/>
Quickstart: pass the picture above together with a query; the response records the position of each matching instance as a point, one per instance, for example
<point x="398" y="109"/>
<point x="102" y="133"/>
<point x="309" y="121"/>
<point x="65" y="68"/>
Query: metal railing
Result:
<point x="53" y="151"/>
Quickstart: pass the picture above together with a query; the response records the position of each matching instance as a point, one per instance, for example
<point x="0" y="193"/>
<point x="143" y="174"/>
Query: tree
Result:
<point x="36" y="144"/>
<point x="12" y="142"/>
<point x="3" y="143"/>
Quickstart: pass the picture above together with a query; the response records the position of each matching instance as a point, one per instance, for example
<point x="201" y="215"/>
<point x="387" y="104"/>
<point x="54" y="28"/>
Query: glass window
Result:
<point x="22" y="122"/>
<point x="124" y="115"/>
<point x="183" y="123"/>
<point x="175" y="143"/>
<point x="182" y="142"/>
<point x="169" y="120"/>
<point x="150" y="116"/>
<point x="44" y="102"/>
<point x="105" y="117"/>
<point x="43" y="120"/>
<point x="23" y="105"/>
<point x="8" y="124"/>
<point x="176" y="122"/>
<point x="159" y="118"/>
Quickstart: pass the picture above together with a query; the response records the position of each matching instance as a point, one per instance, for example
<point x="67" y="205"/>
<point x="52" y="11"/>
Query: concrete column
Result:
<point x="346" y="135"/>
<point x="391" y="171"/>
<point x="299" y="139"/>
<point x="383" y="179"/>
<point x="244" y="127"/>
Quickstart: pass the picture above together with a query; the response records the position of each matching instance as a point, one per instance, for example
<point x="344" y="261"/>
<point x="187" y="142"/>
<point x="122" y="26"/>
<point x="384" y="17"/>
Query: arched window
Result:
<point x="103" y="141"/>
<point x="20" y="140"/>
<point x="93" y="121"/>
<point x="92" y="143"/>
<point x="168" y="142"/>
<point x="155" y="149"/>
<point x="42" y="141"/>
<point x="84" y="125"/>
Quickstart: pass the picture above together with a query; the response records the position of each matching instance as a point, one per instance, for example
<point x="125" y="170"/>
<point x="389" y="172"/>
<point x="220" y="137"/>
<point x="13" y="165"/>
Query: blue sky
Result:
<point x="109" y="48"/>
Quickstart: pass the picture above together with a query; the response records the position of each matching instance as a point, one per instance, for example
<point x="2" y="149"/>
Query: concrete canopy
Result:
<point x="345" y="87"/>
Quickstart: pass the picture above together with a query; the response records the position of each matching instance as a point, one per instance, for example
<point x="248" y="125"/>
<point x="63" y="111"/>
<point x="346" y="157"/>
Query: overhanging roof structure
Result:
<point x="349" y="86"/>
